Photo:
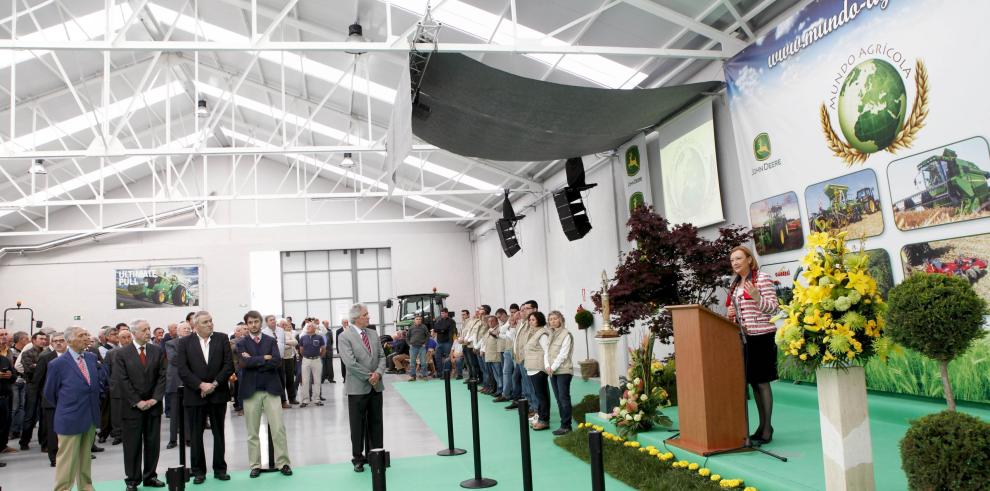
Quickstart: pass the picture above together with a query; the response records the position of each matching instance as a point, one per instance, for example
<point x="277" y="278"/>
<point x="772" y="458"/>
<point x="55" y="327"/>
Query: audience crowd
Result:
<point x="118" y="385"/>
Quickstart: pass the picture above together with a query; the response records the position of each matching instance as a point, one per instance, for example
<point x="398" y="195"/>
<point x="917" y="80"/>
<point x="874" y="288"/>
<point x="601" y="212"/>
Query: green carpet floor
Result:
<point x="798" y="438"/>
<point x="553" y="468"/>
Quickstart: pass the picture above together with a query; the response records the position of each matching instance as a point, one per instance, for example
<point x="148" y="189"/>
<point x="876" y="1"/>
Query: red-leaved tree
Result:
<point x="671" y="265"/>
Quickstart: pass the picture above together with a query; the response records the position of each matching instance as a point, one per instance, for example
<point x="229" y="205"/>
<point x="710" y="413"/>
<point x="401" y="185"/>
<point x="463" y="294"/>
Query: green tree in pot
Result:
<point x="584" y="320"/>
<point x="938" y="316"/>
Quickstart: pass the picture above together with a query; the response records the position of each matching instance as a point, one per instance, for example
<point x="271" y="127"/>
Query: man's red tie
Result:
<point x="364" y="339"/>
<point x="83" y="369"/>
<point x="144" y="360"/>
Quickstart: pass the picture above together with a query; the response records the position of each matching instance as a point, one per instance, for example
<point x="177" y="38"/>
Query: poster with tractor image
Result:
<point x="848" y="203"/>
<point x="944" y="185"/>
<point x="777" y="224"/>
<point x="158" y="287"/>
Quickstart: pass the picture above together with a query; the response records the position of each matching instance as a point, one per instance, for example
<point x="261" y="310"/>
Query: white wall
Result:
<point x="79" y="280"/>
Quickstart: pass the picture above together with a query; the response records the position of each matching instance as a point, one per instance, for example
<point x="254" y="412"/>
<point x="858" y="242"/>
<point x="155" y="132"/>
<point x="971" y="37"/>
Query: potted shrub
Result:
<point x="947" y="450"/>
<point x="584" y="320"/>
<point x="938" y="316"/>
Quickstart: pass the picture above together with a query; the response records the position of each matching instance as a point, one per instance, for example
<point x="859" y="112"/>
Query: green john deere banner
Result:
<point x="866" y="117"/>
<point x="157" y="287"/>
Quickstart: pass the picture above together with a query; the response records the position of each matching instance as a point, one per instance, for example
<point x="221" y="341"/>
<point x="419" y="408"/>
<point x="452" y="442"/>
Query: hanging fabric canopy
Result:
<point x="474" y="110"/>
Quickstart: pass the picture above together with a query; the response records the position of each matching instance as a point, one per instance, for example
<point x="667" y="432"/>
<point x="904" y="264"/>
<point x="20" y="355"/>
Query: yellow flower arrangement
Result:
<point x="835" y="317"/>
<point x="704" y="472"/>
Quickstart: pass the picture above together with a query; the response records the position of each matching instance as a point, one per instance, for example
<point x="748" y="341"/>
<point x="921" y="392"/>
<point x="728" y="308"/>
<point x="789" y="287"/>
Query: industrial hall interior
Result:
<point x="512" y="244"/>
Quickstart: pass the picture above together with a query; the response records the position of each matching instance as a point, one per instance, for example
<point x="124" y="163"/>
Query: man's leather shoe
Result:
<point x="96" y="449"/>
<point x="285" y="405"/>
<point x="171" y="445"/>
<point x="116" y="441"/>
<point x="52" y="463"/>
<point x="199" y="479"/>
<point x="131" y="487"/>
<point x="25" y="446"/>
<point x="221" y="475"/>
<point x="255" y="472"/>
<point x="286" y="470"/>
<point x="3" y="464"/>
<point x="511" y="406"/>
<point x="154" y="483"/>
<point x="359" y="467"/>
<point x="101" y="439"/>
<point x="499" y="399"/>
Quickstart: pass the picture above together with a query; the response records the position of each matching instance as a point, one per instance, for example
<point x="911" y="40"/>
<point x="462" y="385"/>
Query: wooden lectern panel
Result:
<point x="710" y="381"/>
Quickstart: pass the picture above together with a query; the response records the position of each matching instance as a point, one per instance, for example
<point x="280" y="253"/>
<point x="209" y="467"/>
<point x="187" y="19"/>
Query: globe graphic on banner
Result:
<point x="872" y="105"/>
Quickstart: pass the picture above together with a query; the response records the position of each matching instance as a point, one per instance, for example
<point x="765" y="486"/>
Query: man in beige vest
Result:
<point x="467" y="341"/>
<point x="523" y="333"/>
<point x="493" y="357"/>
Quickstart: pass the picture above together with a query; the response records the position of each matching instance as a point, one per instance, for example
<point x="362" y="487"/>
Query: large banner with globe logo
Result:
<point x="866" y="116"/>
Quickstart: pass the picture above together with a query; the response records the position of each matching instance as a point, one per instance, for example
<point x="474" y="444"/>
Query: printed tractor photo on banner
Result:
<point x="944" y="185"/>
<point x="964" y="257"/>
<point x="777" y="224"/>
<point x="848" y="203"/>
<point x="157" y="286"/>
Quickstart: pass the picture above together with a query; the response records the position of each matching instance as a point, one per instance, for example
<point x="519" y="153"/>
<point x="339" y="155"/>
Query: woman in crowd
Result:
<point x="535" y="362"/>
<point x="560" y="368"/>
<point x="751" y="302"/>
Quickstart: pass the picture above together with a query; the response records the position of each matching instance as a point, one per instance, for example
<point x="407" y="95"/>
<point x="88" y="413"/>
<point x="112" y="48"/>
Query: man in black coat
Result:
<point x="139" y="377"/>
<point x="113" y="424"/>
<point x="205" y="364"/>
<point x="58" y="347"/>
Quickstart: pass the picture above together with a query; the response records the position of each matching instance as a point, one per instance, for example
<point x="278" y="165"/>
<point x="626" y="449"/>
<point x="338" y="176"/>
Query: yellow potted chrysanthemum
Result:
<point x="833" y="325"/>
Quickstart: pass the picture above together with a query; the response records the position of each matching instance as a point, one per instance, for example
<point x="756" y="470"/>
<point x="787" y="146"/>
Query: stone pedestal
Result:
<point x="610" y="371"/>
<point x="845" y="425"/>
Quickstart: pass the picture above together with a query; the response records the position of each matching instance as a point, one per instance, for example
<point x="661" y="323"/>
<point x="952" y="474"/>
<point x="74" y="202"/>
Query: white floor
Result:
<point x="317" y="435"/>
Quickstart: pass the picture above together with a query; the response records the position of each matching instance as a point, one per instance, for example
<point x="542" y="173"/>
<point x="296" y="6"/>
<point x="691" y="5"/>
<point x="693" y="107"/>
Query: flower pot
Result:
<point x="589" y="369"/>
<point x="845" y="426"/>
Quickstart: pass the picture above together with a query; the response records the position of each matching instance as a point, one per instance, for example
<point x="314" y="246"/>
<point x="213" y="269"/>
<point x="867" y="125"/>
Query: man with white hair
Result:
<point x="312" y="346"/>
<point x="139" y="376"/>
<point x="361" y="352"/>
<point x="73" y="386"/>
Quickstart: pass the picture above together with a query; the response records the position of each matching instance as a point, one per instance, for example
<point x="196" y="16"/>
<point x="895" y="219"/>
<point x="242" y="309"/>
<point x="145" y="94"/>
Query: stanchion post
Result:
<point x="527" y="461"/>
<point x="271" y="453"/>
<point x="450" y="450"/>
<point x="478" y="482"/>
<point x="378" y="459"/>
<point x="597" y="461"/>
<point x="176" y="477"/>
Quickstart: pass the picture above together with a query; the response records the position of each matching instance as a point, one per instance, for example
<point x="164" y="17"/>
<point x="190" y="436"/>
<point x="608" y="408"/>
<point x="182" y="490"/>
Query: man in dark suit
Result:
<point x="74" y="383"/>
<point x="261" y="390"/>
<point x="112" y="424"/>
<point x="361" y="352"/>
<point x="49" y="443"/>
<point x="172" y="384"/>
<point x="139" y="377"/>
<point x="205" y="364"/>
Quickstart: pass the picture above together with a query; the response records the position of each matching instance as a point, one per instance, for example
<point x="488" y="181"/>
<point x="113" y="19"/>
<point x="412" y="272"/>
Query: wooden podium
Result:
<point x="710" y="381"/>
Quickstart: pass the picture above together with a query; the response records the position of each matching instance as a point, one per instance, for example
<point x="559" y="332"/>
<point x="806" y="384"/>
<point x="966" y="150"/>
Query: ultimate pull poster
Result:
<point x="866" y="116"/>
<point x="157" y="287"/>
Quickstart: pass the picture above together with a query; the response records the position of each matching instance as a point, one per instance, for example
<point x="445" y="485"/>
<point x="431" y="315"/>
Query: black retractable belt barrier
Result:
<point x="378" y="459"/>
<point x="450" y="450"/>
<point x="597" y="461"/>
<point x="177" y="477"/>
<point x="478" y="482"/>
<point x="527" y="461"/>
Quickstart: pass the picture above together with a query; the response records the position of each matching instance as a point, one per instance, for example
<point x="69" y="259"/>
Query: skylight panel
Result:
<point x="84" y="28"/>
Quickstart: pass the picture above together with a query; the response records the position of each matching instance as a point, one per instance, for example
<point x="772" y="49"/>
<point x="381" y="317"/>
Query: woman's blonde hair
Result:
<point x="753" y="266"/>
<point x="563" y="323"/>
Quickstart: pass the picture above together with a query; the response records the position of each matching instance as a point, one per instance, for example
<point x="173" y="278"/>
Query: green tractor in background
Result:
<point x="426" y="304"/>
<point x="773" y="231"/>
<point x="867" y="202"/>
<point x="949" y="181"/>
<point x="161" y="289"/>
<point x="841" y="210"/>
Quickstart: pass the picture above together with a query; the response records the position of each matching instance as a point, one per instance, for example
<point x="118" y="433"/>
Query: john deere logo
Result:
<point x="636" y="200"/>
<point x="872" y="105"/>
<point x="761" y="146"/>
<point x="632" y="161"/>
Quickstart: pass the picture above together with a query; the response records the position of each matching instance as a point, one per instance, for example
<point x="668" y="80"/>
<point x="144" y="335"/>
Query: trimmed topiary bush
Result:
<point x="947" y="450"/>
<point x="938" y="316"/>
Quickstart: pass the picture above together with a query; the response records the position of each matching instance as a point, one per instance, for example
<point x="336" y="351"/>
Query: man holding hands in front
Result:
<point x="139" y="375"/>
<point x="205" y="363"/>
<point x="361" y="352"/>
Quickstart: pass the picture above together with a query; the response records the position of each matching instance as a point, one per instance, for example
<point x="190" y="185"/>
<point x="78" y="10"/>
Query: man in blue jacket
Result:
<point x="74" y="384"/>
<point x="261" y="390"/>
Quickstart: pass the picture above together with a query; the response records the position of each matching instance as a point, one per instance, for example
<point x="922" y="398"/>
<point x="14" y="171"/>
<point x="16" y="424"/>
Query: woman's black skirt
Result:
<point x="761" y="360"/>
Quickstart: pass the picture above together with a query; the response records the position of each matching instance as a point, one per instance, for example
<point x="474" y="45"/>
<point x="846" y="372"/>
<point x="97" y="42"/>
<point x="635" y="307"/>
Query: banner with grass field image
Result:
<point x="867" y="112"/>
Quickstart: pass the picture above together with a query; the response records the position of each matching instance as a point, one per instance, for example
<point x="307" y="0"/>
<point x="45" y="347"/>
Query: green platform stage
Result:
<point x="798" y="438"/>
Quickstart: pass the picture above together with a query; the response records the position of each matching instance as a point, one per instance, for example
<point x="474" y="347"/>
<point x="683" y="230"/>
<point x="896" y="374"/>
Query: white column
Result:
<point x="845" y="423"/>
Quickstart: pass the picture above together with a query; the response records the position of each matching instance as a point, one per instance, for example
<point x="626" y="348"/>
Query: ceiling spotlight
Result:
<point x="38" y="167"/>
<point x="201" y="109"/>
<point x="348" y="162"/>
<point x="355" y="34"/>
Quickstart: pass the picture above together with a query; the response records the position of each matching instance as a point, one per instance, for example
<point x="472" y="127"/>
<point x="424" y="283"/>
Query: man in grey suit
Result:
<point x="172" y="383"/>
<point x="361" y="352"/>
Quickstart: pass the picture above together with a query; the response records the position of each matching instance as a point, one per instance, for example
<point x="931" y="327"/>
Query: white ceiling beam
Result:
<point x="248" y="150"/>
<point x="372" y="47"/>
<point x="729" y="43"/>
<point x="738" y="18"/>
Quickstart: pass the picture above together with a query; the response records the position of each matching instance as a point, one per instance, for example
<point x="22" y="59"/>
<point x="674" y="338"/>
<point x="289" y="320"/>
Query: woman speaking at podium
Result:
<point x="751" y="302"/>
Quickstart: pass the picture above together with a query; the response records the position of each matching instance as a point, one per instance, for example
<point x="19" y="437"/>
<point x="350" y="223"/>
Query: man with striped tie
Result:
<point x="362" y="354"/>
<point x="74" y="384"/>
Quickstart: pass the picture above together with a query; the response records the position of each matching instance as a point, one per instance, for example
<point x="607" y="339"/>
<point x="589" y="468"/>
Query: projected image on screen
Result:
<point x="689" y="170"/>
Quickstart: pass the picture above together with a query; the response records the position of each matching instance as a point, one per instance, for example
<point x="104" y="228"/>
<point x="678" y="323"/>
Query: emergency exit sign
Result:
<point x="77" y="317"/>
